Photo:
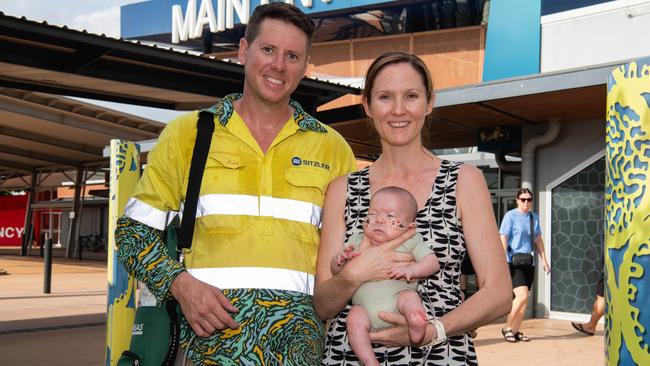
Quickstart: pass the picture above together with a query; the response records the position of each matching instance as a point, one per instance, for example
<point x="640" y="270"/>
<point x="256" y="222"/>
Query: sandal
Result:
<point x="521" y="337"/>
<point x="508" y="335"/>
<point x="580" y="328"/>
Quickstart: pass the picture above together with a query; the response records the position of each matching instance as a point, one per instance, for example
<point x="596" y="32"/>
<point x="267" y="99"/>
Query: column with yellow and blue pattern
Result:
<point x="125" y="172"/>
<point x="627" y="196"/>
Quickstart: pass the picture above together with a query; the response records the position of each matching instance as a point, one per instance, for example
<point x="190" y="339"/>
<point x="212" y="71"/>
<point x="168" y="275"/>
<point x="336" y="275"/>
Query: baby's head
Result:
<point x="392" y="210"/>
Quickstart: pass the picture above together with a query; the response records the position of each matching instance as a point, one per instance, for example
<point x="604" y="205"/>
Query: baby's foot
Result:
<point x="417" y="321"/>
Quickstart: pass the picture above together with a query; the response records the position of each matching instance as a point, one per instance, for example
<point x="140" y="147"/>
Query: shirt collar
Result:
<point x="225" y="108"/>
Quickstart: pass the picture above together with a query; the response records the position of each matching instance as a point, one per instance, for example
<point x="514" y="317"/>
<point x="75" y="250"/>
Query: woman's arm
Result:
<point x="333" y="292"/>
<point x="494" y="296"/>
<point x="539" y="245"/>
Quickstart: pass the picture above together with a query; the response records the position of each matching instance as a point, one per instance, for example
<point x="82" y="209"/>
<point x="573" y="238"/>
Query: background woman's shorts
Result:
<point x="522" y="276"/>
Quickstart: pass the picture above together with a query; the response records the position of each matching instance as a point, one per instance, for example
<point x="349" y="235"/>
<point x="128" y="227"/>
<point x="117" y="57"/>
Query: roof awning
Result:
<point x="461" y="113"/>
<point x="41" y="131"/>
<point x="51" y="59"/>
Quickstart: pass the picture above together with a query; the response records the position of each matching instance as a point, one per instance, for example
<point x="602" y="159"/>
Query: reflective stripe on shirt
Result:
<point x="147" y="214"/>
<point x="256" y="277"/>
<point x="231" y="204"/>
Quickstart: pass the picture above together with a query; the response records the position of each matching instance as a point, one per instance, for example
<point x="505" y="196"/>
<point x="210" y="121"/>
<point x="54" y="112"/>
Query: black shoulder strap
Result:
<point x="532" y="230"/>
<point x="205" y="128"/>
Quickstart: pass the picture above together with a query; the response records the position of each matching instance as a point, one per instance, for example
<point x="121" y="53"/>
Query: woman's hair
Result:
<point x="395" y="57"/>
<point x="524" y="190"/>
<point x="280" y="11"/>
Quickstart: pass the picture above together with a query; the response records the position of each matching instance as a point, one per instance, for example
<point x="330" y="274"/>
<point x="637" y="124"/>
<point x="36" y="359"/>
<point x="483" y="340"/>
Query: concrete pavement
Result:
<point x="67" y="327"/>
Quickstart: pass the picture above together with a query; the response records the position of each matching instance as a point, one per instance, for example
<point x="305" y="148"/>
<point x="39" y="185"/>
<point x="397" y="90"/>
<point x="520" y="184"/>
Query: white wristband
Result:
<point x="441" y="335"/>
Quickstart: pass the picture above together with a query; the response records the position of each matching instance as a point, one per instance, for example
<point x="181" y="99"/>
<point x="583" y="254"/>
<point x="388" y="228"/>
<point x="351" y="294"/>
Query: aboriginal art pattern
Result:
<point x="627" y="223"/>
<point x="224" y="110"/>
<point x="125" y="172"/>
<point x="440" y="226"/>
<point x="278" y="328"/>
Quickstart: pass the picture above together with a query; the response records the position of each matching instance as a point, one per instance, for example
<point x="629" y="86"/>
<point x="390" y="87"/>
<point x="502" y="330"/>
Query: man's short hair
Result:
<point x="280" y="11"/>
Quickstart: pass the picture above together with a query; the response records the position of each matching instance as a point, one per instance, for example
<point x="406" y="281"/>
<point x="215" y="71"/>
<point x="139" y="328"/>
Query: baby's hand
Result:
<point x="398" y="273"/>
<point x="347" y="254"/>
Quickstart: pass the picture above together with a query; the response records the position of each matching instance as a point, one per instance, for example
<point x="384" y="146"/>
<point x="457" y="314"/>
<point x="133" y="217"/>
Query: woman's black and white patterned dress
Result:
<point x="441" y="228"/>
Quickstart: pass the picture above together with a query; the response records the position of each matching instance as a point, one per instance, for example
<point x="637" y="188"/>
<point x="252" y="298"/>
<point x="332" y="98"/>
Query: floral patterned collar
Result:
<point x="224" y="109"/>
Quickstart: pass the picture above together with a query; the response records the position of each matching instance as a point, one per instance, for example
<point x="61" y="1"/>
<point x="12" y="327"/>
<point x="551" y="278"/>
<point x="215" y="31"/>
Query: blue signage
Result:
<point x="154" y="17"/>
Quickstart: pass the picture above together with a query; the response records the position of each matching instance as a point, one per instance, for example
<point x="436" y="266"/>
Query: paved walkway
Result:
<point x="67" y="327"/>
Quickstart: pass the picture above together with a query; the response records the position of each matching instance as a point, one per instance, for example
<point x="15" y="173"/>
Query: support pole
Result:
<point x="73" y="239"/>
<point x="47" y="272"/>
<point x="79" y="246"/>
<point x="27" y="234"/>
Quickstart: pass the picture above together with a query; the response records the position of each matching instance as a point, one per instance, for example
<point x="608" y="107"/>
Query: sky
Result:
<point x="95" y="16"/>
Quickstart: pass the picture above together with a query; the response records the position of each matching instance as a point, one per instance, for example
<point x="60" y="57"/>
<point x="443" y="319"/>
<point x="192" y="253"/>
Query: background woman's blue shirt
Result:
<point x="516" y="226"/>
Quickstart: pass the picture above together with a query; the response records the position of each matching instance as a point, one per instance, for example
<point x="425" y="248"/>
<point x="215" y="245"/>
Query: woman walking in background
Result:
<point x="520" y="235"/>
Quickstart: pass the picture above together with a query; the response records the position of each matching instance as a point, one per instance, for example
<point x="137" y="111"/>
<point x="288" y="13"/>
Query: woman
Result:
<point x="517" y="240"/>
<point x="455" y="217"/>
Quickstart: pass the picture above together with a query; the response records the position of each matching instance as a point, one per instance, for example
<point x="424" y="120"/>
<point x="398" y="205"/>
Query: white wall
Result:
<point x="577" y="142"/>
<point x="604" y="33"/>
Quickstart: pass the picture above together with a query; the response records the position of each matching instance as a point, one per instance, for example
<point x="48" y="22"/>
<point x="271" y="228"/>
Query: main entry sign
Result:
<point x="185" y="19"/>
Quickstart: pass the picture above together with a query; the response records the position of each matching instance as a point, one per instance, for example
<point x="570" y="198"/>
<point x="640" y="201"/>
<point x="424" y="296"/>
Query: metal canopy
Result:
<point x="460" y="113"/>
<point x="45" y="133"/>
<point x="40" y="57"/>
<point x="51" y="134"/>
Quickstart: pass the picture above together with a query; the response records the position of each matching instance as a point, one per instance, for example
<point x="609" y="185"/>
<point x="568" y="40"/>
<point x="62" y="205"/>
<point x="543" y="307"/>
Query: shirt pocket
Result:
<point x="305" y="205"/>
<point x="222" y="207"/>
<point x="308" y="177"/>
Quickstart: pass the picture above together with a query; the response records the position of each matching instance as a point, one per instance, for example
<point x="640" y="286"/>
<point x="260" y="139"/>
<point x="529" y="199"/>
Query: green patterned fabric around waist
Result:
<point x="276" y="328"/>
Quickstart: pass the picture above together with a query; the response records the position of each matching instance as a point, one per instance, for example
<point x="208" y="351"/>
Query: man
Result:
<point x="246" y="284"/>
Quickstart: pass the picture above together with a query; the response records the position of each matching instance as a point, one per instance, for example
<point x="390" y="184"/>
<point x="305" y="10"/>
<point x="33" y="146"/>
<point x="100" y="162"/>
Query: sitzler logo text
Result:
<point x="11" y="232"/>
<point x="191" y="26"/>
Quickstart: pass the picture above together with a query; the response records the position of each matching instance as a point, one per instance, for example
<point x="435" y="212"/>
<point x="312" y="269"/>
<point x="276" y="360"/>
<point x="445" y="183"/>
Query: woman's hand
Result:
<point x="375" y="262"/>
<point x="398" y="335"/>
<point x="547" y="267"/>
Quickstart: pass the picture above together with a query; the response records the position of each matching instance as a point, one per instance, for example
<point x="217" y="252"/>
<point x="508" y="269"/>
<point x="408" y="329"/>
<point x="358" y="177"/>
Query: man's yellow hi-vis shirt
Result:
<point x="259" y="214"/>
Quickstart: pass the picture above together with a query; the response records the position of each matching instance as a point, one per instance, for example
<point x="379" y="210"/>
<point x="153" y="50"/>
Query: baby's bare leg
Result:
<point x="358" y="324"/>
<point x="410" y="305"/>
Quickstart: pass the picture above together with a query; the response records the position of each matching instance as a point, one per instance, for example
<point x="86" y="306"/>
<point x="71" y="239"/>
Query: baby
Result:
<point x="392" y="210"/>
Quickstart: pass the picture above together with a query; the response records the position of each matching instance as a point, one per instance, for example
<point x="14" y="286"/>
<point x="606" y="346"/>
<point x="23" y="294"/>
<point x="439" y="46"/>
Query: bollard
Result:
<point x="48" y="266"/>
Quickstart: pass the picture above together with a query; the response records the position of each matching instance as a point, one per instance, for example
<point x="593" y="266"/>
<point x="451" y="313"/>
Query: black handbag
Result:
<point x="525" y="259"/>
<point x="155" y="334"/>
<point x="522" y="259"/>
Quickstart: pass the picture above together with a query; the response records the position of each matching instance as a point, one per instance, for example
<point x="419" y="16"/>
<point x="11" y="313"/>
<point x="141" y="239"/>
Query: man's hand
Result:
<point x="205" y="307"/>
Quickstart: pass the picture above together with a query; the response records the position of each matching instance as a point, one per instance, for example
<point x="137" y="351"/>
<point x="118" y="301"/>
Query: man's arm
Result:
<point x="141" y="250"/>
